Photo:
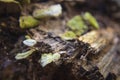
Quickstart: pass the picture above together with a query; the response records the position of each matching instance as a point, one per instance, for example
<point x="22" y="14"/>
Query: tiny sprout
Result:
<point x="52" y="11"/>
<point x="91" y="19"/>
<point x="48" y="58"/>
<point x="29" y="42"/>
<point x="24" y="54"/>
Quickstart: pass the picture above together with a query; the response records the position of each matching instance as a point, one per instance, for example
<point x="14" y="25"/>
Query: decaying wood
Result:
<point x="81" y="58"/>
<point x="94" y="55"/>
<point x="85" y="58"/>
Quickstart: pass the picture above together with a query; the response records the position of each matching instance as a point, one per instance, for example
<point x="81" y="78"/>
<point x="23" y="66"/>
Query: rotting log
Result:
<point x="82" y="59"/>
<point x="92" y="56"/>
<point x="85" y="58"/>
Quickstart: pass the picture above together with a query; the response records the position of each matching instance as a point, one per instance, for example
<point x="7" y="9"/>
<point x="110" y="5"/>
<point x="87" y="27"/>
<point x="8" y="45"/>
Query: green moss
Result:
<point x="68" y="35"/>
<point x="91" y="19"/>
<point x="77" y="25"/>
<point x="28" y="22"/>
